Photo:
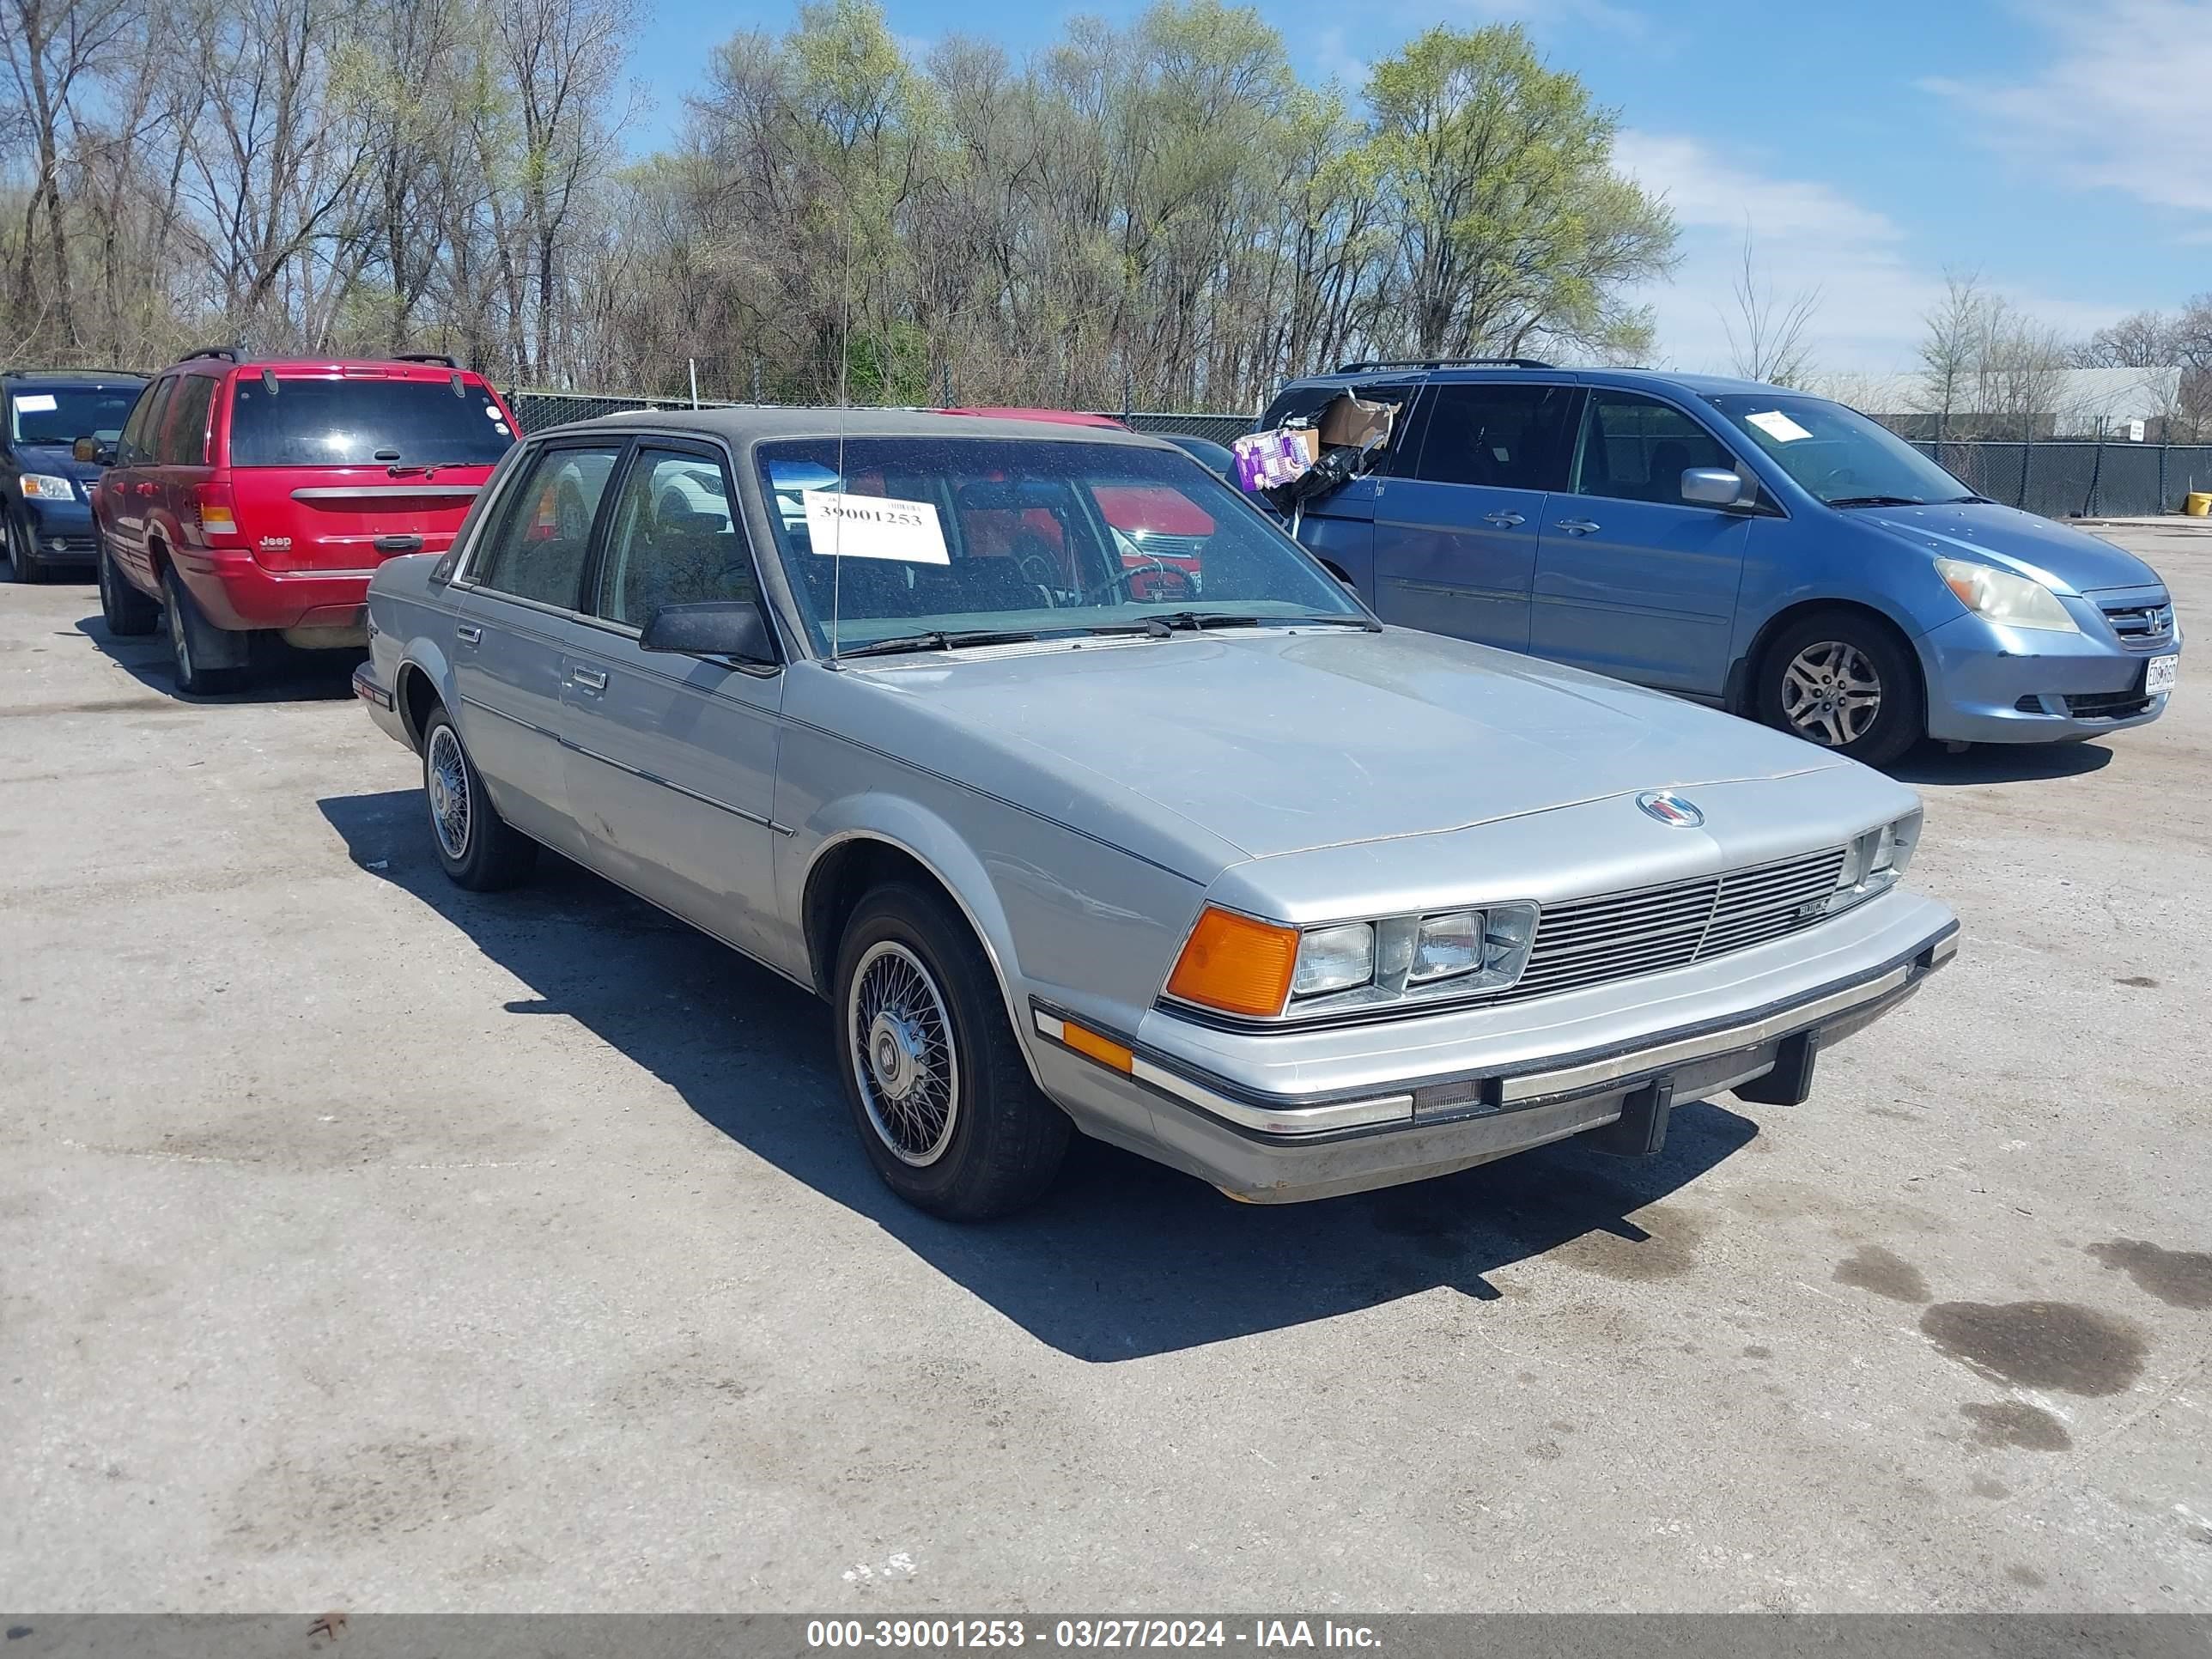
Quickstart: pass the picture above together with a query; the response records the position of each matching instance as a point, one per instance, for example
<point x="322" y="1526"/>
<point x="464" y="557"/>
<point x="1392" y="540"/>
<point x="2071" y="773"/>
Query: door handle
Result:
<point x="466" y="633"/>
<point x="591" y="679"/>
<point x="1578" y="526"/>
<point x="1504" y="521"/>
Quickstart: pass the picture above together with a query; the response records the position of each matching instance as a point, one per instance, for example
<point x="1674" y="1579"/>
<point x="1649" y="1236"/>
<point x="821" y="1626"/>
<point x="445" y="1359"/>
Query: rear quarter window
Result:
<point x="284" y="421"/>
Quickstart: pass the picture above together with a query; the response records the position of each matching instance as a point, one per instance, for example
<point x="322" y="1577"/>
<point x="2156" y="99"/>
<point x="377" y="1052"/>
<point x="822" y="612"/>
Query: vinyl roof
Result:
<point x="750" y="424"/>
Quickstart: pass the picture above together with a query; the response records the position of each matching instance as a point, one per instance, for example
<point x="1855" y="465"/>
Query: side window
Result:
<point x="538" y="550"/>
<point x="674" y="540"/>
<point x="1507" y="435"/>
<point x="1636" y="449"/>
<point x="136" y="447"/>
<point x="183" y="440"/>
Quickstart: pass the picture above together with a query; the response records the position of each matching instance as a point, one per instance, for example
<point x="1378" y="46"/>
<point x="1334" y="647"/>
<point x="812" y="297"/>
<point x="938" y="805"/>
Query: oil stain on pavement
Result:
<point x="2040" y="1345"/>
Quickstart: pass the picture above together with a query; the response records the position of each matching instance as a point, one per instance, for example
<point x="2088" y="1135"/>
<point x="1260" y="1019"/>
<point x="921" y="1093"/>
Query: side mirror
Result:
<point x="1713" y="486"/>
<point x="93" y="451"/>
<point x="725" y="628"/>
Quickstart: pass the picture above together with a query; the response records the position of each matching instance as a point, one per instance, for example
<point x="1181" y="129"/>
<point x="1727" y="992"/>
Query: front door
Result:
<point x="515" y="629"/>
<point x="1455" y="542"/>
<point x="672" y="758"/>
<point x="1633" y="580"/>
<point x="129" y="485"/>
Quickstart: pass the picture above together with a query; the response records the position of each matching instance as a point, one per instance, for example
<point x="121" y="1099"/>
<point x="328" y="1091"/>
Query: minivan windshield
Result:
<point x="921" y="542"/>
<point x="1837" y="453"/>
<point x="63" y="414"/>
<point x="360" y="420"/>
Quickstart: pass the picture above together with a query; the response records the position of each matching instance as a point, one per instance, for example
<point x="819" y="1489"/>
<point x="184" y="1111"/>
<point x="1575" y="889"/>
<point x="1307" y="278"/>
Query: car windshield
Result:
<point x="292" y="421"/>
<point x="1837" y="453"/>
<point x="62" y="413"/>
<point x="921" y="540"/>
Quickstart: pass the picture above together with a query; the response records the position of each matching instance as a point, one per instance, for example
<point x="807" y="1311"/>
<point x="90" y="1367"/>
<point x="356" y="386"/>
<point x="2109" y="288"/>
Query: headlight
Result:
<point x="1240" y="965"/>
<point x="44" y="487"/>
<point x="1873" y="862"/>
<point x="1999" y="596"/>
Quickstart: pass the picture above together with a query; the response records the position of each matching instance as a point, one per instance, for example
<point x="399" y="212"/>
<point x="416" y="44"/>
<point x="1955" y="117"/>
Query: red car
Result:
<point x="1162" y="530"/>
<point x="247" y="498"/>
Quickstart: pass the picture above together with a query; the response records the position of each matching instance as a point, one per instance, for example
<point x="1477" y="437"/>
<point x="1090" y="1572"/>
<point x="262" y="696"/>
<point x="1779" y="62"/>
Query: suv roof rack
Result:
<point x="228" y="354"/>
<point x="73" y="374"/>
<point x="1442" y="363"/>
<point x="438" y="357"/>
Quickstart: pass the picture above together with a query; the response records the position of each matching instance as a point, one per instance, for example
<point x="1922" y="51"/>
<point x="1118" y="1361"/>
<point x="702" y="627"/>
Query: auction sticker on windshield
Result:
<point x="841" y="526"/>
<point x="1777" y="426"/>
<point x="2159" y="674"/>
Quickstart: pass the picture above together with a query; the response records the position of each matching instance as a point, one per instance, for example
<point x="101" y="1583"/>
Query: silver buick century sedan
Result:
<point x="1090" y="802"/>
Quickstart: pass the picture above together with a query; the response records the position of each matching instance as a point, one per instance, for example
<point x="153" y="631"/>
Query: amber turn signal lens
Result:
<point x="1236" y="964"/>
<point x="1104" y="1050"/>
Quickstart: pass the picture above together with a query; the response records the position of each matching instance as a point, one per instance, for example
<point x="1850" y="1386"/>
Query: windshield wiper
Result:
<point x="1966" y="501"/>
<point x="936" y="639"/>
<point x="1877" y="501"/>
<point x="1198" y="619"/>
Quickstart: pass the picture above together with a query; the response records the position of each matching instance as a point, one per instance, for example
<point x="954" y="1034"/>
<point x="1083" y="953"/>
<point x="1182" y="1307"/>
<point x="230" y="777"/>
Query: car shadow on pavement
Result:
<point x="1124" y="1258"/>
<point x="279" y="673"/>
<point x="1932" y="764"/>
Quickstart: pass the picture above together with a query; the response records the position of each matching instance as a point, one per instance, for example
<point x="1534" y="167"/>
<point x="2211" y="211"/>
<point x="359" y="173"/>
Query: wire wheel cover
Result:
<point x="900" y="1034"/>
<point x="445" y="782"/>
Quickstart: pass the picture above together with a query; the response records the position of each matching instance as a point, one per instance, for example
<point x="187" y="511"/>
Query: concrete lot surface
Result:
<point x="368" y="1245"/>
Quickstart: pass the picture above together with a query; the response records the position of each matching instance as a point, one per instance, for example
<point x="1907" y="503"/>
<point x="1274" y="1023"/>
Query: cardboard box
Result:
<point x="1265" y="460"/>
<point x="1356" y="422"/>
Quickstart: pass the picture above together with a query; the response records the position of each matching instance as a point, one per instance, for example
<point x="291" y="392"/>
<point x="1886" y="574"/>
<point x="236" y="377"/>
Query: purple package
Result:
<point x="1265" y="460"/>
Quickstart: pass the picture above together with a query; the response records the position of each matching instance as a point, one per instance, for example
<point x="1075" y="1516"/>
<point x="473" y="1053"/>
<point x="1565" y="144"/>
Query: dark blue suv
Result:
<point x="46" y="492"/>
<point x="1771" y="552"/>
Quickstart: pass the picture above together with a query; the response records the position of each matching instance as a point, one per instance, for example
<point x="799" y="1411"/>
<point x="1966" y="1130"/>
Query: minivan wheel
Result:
<point x="1846" y="682"/>
<point x="187" y="643"/>
<point x="126" y="611"/>
<point x="946" y="1106"/>
<point x="478" y="848"/>
<point x="23" y="563"/>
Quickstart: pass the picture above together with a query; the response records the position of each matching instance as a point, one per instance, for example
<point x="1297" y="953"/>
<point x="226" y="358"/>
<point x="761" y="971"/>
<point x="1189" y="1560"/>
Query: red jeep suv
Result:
<point x="246" y="497"/>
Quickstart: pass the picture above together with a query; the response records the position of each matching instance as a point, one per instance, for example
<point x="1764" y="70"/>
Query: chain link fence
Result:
<point x="2061" y="480"/>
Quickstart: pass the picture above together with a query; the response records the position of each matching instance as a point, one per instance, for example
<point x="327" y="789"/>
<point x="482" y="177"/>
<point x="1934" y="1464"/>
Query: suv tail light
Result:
<point x="218" y="525"/>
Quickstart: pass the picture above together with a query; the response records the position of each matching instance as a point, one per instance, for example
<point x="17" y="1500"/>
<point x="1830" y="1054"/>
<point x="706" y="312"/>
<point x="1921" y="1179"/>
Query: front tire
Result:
<point x="127" y="612"/>
<point x="479" y="849"/>
<point x="23" y="560"/>
<point x="1845" y="682"/>
<point x="944" y="1104"/>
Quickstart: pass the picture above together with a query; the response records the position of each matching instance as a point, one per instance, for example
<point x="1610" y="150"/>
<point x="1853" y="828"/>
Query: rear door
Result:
<point x="337" y="473"/>
<point x="180" y="452"/>
<point x="1633" y="580"/>
<point x="1455" y="542"/>
<point x="672" y="759"/>
<point x="516" y="627"/>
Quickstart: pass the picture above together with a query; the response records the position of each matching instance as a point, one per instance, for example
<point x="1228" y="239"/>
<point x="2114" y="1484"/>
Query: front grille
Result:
<point x="1160" y="545"/>
<point x="2106" y="705"/>
<point x="1620" y="935"/>
<point x="2141" y="627"/>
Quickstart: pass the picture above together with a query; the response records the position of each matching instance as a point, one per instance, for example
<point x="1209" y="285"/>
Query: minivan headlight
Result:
<point x="44" y="487"/>
<point x="2001" y="597"/>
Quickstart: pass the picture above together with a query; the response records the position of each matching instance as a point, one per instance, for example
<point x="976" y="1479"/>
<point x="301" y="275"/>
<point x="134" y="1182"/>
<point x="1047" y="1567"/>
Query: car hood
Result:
<point x="2039" y="548"/>
<point x="1276" y="742"/>
<point x="53" y="459"/>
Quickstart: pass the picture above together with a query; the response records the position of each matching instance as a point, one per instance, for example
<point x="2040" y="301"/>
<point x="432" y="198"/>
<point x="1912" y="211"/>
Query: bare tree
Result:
<point x="1770" y="337"/>
<point x="1952" y="348"/>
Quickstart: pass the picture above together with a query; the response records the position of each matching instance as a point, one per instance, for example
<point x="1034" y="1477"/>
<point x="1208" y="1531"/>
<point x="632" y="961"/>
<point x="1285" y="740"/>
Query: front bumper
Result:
<point x="1992" y="684"/>
<point x="63" y="531"/>
<point x="1277" y="1117"/>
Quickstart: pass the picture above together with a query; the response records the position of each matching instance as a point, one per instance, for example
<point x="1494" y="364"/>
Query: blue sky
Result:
<point x="2063" y="150"/>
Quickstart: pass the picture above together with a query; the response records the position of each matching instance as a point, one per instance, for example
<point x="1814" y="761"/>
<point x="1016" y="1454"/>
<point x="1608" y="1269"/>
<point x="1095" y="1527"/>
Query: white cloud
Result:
<point x="1806" y="235"/>
<point x="2125" y="102"/>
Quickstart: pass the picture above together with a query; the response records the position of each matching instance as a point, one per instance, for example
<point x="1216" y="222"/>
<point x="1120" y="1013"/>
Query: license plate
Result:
<point x="2159" y="675"/>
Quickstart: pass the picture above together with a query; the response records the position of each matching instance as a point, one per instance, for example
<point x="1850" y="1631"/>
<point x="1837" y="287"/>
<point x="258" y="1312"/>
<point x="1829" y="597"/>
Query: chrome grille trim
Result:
<point x="2141" y="625"/>
<point x="1649" y="930"/>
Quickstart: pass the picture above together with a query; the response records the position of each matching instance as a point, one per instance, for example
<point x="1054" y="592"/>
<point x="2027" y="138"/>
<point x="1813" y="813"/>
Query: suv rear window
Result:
<point x="360" y="423"/>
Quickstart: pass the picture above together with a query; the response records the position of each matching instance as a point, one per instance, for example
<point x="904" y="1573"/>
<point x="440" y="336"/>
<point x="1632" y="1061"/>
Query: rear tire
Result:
<point x="478" y="848"/>
<point x="1845" y="682"/>
<point x="944" y="1104"/>
<point x="188" y="644"/>
<point x="23" y="562"/>
<point x="127" y="612"/>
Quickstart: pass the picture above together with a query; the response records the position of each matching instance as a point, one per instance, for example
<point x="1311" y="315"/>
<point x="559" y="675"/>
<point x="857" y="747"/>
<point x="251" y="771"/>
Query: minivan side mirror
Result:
<point x="92" y="449"/>
<point x="1714" y="486"/>
<point x="723" y="628"/>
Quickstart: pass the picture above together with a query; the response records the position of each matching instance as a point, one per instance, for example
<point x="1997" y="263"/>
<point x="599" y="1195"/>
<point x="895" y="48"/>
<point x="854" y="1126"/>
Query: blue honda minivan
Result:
<point x="1770" y="552"/>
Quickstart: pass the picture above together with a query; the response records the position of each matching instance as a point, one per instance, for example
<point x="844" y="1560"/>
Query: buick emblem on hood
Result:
<point x="1669" y="809"/>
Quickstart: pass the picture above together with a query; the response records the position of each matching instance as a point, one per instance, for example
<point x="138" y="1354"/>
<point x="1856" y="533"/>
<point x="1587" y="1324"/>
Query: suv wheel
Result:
<point x="478" y="848"/>
<point x="944" y="1104"/>
<point x="188" y="642"/>
<point x="23" y="563"/>
<point x="1846" y="682"/>
<point x="126" y="611"/>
